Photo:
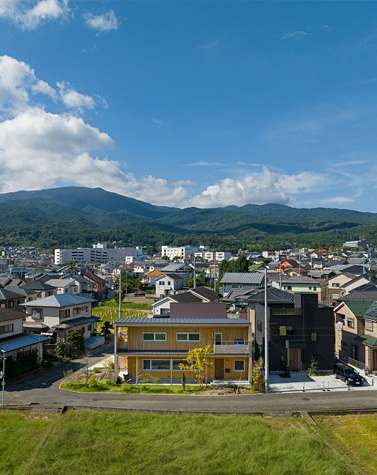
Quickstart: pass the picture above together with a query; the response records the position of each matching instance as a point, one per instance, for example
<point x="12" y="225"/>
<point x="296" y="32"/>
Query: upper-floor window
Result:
<point x="259" y="325"/>
<point x="10" y="304"/>
<point x="37" y="313"/>
<point x="334" y="284"/>
<point x="350" y="322"/>
<point x="154" y="336"/>
<point x="188" y="336"/>
<point x="162" y="282"/>
<point x="369" y="325"/>
<point x="6" y="329"/>
<point x="64" y="313"/>
<point x="237" y="286"/>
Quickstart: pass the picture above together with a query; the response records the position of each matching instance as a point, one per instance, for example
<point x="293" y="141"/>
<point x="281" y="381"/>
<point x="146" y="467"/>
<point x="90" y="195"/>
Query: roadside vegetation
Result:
<point x="152" y="444"/>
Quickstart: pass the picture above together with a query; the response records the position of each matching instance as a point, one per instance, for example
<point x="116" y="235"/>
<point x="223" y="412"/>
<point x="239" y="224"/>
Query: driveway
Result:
<point x="300" y="382"/>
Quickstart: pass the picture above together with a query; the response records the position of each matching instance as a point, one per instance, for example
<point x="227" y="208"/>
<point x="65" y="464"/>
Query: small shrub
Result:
<point x="110" y="365"/>
<point x="110" y="382"/>
<point x="92" y="382"/>
<point x="96" y="370"/>
<point x="180" y="390"/>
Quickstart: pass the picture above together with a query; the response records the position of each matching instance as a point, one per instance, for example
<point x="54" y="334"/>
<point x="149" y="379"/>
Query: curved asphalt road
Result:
<point x="44" y="390"/>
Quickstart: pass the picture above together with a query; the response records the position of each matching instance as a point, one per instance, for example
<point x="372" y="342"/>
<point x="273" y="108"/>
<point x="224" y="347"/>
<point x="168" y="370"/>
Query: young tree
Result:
<point x="106" y="328"/>
<point x="197" y="362"/>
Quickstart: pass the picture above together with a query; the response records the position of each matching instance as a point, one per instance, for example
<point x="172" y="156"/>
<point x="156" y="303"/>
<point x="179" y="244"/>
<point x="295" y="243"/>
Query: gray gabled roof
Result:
<point x="243" y="278"/>
<point x="205" y="293"/>
<point x="156" y="321"/>
<point x="61" y="300"/>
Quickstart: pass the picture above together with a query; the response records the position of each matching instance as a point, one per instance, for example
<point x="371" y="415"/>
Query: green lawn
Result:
<point x="138" y="444"/>
<point x="357" y="434"/>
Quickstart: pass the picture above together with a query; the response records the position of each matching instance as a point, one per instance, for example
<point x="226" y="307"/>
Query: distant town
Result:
<point x="318" y="300"/>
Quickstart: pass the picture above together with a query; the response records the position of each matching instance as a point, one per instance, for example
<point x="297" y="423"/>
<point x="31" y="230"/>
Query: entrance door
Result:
<point x="219" y="368"/>
<point x="293" y="359"/>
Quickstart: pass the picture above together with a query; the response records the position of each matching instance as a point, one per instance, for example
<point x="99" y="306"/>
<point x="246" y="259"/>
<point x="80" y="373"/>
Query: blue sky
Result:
<point x="192" y="103"/>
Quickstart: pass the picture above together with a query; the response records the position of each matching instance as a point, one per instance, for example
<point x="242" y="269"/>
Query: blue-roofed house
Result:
<point x="13" y="341"/>
<point x="60" y="314"/>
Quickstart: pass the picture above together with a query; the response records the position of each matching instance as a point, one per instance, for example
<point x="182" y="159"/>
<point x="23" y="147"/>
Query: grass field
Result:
<point x="138" y="444"/>
<point x="109" y="311"/>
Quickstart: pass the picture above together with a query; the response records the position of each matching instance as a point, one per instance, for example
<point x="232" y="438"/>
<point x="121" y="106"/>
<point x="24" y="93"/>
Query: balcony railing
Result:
<point x="231" y="347"/>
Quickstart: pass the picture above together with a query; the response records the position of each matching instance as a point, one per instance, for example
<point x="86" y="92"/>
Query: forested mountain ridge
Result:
<point x="72" y="216"/>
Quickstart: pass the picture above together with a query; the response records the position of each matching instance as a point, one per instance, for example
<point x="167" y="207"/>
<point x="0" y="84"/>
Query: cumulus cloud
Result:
<point x="17" y="81"/>
<point x="73" y="99"/>
<point x="40" y="149"/>
<point x="102" y="23"/>
<point x="257" y="188"/>
<point x="29" y="14"/>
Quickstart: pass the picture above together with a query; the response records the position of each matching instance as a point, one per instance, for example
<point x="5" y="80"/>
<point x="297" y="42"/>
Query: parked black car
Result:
<point x="347" y="374"/>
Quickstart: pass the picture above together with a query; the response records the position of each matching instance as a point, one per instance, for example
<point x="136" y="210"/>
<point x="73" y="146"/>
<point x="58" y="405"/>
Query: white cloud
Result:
<point x="73" y="99"/>
<point x="158" y="122"/>
<point x="17" y="80"/>
<point x="210" y="45"/>
<point x="338" y="200"/>
<point x="29" y="14"/>
<point x="184" y="183"/>
<point x="257" y="188"/>
<point x="349" y="163"/>
<point x="204" y="164"/>
<point x="294" y="34"/>
<point x="102" y="23"/>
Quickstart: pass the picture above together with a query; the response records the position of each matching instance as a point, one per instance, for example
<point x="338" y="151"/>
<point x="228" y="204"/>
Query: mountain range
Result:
<point x="72" y="216"/>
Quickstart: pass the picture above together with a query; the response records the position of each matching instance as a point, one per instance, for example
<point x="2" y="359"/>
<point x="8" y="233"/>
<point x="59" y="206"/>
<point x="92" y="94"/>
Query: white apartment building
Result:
<point x="182" y="252"/>
<point x="98" y="254"/>
<point x="212" y="256"/>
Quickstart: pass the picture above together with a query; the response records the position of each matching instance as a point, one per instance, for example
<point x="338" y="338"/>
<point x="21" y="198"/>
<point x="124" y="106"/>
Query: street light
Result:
<point x="3" y="376"/>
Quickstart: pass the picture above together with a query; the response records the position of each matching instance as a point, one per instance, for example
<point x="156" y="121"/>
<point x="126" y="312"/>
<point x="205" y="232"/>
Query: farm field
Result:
<point x="98" y="442"/>
<point x="109" y="311"/>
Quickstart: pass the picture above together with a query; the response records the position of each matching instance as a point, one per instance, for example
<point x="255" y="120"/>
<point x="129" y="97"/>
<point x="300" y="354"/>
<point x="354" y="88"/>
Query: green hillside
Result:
<point x="74" y="216"/>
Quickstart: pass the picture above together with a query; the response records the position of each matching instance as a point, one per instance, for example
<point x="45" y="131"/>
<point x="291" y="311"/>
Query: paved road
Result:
<point x="44" y="390"/>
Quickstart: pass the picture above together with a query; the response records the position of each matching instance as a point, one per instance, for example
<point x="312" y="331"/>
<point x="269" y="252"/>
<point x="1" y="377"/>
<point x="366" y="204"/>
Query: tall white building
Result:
<point x="212" y="256"/>
<point x="181" y="252"/>
<point x="98" y="254"/>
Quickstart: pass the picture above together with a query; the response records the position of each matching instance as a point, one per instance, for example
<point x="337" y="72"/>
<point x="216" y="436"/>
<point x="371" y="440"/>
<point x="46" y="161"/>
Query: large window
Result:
<point x="368" y="325"/>
<point x="259" y="326"/>
<point x="239" y="365"/>
<point x="64" y="313"/>
<point x="188" y="336"/>
<point x="156" y="365"/>
<point x="350" y="322"/>
<point x="6" y="329"/>
<point x="176" y="364"/>
<point x="154" y="336"/>
<point x="239" y="341"/>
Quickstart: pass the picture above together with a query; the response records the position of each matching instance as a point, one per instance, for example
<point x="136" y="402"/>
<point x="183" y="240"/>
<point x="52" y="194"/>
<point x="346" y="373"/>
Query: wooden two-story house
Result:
<point x="156" y="346"/>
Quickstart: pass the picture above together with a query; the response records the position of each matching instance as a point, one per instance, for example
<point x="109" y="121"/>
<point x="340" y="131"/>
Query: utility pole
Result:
<point x="120" y="293"/>
<point x="3" y="378"/>
<point x="194" y="272"/>
<point x="266" y="331"/>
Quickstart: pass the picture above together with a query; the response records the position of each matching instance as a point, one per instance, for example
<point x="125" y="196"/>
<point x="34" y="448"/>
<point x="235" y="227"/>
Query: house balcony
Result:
<point x="122" y="341"/>
<point x="231" y="348"/>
